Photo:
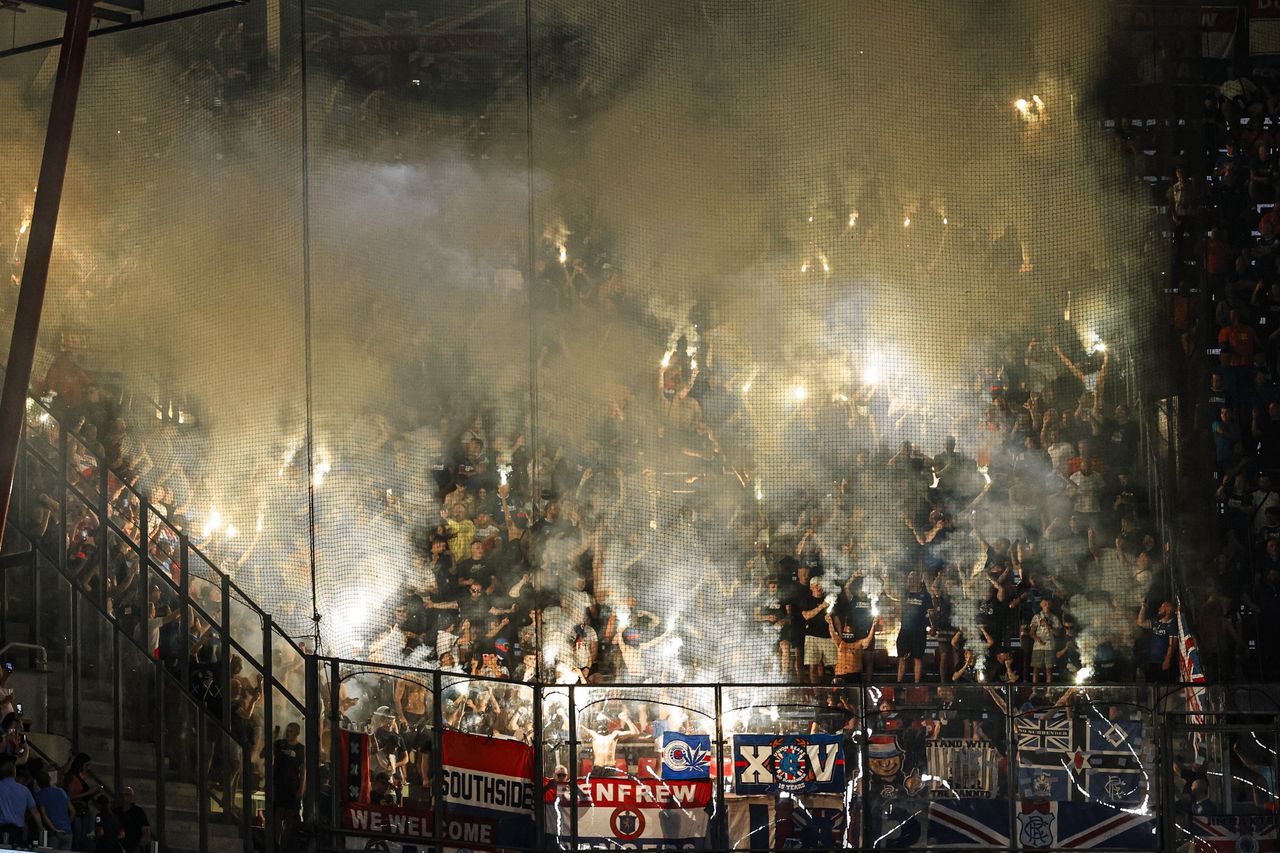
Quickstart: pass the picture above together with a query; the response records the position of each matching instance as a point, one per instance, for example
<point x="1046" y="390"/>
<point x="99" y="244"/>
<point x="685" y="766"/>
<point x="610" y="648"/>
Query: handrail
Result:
<point x="148" y="509"/>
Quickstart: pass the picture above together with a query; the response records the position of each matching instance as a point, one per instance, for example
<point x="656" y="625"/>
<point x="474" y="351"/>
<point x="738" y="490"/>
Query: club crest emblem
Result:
<point x="627" y="823"/>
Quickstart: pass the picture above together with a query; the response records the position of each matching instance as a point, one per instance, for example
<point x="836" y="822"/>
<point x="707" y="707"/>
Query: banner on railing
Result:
<point x="354" y="765"/>
<point x="768" y="764"/>
<point x="686" y="756"/>
<point x="962" y="767"/>
<point x="820" y="822"/>
<point x="491" y="781"/>
<point x="629" y="813"/>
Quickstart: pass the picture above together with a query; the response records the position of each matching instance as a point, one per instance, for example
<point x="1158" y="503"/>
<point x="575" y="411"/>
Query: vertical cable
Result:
<point x="306" y="321"/>
<point x="530" y="270"/>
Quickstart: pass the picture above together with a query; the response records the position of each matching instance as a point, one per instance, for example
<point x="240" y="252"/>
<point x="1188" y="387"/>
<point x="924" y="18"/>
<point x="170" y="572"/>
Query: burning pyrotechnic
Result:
<point x="26" y="223"/>
<point x="1084" y="674"/>
<point x="759" y="492"/>
<point x="875" y="606"/>
<point x="624" y="618"/>
<point x="504" y="471"/>
<point x="746" y="386"/>
<point x="853" y="219"/>
<point x="1033" y="111"/>
<point x="1096" y="344"/>
<point x="873" y="371"/>
<point x="563" y="253"/>
<point x="213" y="523"/>
<point x="906" y="222"/>
<point x="258" y="527"/>
<point x="798" y="393"/>
<point x="232" y="532"/>
<point x="982" y="469"/>
<point x="666" y="358"/>
<point x="322" y="467"/>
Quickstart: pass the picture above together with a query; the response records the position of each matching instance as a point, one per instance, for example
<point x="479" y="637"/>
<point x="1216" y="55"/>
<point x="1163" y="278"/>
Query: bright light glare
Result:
<point x="873" y="372"/>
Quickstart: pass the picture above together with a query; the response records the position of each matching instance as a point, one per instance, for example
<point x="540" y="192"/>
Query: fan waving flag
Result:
<point x="1192" y="674"/>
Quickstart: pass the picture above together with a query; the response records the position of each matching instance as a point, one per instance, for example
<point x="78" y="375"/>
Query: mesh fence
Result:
<point x="707" y="341"/>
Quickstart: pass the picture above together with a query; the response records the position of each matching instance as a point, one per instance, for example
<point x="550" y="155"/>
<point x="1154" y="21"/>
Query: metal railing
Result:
<point x="961" y="743"/>
<point x="96" y="569"/>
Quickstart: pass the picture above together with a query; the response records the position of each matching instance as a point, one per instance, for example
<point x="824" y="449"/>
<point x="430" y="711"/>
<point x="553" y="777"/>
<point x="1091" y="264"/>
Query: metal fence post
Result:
<point x="269" y="720"/>
<point x="202" y="781"/>
<point x="117" y="713"/>
<point x="721" y="828"/>
<point x="104" y="562"/>
<point x="229" y="745"/>
<point x="161" y="745"/>
<point x="76" y="662"/>
<point x="1011" y="766"/>
<point x="184" y="618"/>
<point x="437" y="759"/>
<point x="144" y="578"/>
<point x="335" y="740"/>
<point x="540" y="786"/>
<point x="573" y="771"/>
<point x="314" y="731"/>
<point x="863" y="708"/>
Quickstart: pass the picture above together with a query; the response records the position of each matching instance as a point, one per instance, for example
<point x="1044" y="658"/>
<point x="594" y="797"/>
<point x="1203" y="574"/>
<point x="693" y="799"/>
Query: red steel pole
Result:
<point x="44" y="221"/>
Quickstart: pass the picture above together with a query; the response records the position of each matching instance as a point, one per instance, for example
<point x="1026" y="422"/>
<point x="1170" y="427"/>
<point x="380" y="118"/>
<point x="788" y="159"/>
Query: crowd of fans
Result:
<point x="60" y="807"/>
<point x="999" y="533"/>
<point x="1226" y="230"/>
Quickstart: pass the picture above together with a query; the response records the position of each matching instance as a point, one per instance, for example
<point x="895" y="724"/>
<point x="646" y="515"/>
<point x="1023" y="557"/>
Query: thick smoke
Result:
<point x="812" y="200"/>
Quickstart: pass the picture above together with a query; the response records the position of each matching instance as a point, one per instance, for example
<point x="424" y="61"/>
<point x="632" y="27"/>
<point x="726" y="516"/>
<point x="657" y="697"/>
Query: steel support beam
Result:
<point x="44" y="222"/>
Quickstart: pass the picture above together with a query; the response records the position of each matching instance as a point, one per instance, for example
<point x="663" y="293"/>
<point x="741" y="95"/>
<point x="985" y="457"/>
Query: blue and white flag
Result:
<point x="686" y="756"/>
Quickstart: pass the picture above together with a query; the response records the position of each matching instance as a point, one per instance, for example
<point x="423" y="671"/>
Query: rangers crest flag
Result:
<point x="972" y="824"/>
<point x="1101" y="761"/>
<point x="686" y="756"/>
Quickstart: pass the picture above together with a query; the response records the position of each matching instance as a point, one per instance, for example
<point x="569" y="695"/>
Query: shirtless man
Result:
<point x="604" y="743"/>
<point x="412" y="708"/>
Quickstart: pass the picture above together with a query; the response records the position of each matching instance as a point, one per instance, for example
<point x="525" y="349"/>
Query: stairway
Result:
<point x="43" y="606"/>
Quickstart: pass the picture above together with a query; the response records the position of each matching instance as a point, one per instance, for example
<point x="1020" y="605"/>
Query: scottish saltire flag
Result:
<point x="1231" y="833"/>
<point x="1192" y="672"/>
<point x="1048" y="731"/>
<point x="967" y="824"/>
<point x="686" y="756"/>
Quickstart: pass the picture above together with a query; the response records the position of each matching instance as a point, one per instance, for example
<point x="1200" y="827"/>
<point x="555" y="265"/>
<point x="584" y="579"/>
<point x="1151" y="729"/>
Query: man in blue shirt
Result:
<point x="16" y="805"/>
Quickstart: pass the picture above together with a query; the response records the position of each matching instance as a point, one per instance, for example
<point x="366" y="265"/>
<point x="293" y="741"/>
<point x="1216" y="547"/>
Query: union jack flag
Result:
<point x="1050" y="731"/>
<point x="1192" y="673"/>
<point x="1234" y="834"/>
<point x="973" y="824"/>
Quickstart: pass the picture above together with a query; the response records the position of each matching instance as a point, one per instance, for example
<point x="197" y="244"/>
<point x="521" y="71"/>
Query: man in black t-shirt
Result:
<point x="133" y="821"/>
<point x="914" y="608"/>
<point x="289" y="774"/>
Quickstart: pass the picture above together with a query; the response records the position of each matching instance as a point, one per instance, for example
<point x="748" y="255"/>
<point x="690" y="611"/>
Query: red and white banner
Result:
<point x="489" y="780"/>
<point x="630" y="813"/>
